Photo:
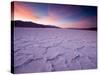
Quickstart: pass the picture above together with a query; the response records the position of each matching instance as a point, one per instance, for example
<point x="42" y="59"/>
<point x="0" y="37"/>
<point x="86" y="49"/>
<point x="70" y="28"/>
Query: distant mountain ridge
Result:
<point x="19" y="23"/>
<point x="92" y="28"/>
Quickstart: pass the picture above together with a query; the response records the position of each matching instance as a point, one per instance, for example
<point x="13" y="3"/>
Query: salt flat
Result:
<point x="52" y="49"/>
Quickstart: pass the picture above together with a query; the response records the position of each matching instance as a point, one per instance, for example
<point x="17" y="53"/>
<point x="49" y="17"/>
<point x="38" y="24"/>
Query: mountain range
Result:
<point x="19" y="23"/>
<point x="30" y="24"/>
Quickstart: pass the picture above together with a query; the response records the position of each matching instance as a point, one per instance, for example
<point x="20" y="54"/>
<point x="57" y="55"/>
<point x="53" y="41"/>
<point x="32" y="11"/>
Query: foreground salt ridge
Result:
<point x="41" y="50"/>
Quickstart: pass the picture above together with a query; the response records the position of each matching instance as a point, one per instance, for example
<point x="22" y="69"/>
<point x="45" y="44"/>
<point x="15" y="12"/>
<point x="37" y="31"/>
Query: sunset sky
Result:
<point x="64" y="16"/>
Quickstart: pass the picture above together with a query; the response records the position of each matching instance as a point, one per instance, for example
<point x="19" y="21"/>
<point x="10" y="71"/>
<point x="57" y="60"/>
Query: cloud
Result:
<point x="22" y="13"/>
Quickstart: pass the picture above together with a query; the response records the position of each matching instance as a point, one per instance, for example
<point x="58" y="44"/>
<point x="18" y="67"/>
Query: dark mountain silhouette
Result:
<point x="92" y="28"/>
<point x="19" y="23"/>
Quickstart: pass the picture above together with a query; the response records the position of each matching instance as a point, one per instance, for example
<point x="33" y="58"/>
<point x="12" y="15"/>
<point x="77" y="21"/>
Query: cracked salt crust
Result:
<point x="45" y="50"/>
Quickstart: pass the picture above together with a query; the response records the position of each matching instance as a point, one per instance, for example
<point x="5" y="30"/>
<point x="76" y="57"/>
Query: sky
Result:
<point x="60" y="15"/>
